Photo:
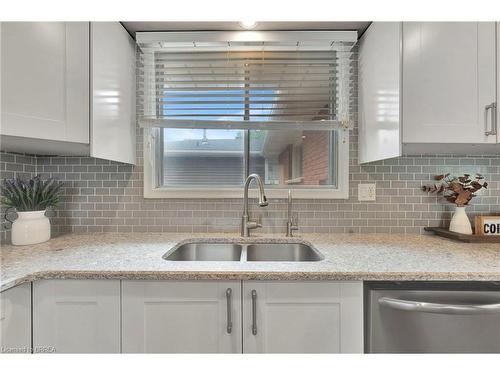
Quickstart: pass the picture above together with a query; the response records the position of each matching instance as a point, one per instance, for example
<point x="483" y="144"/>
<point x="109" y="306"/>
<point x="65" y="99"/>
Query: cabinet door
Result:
<point x="15" y="319"/>
<point x="497" y="124"/>
<point x="181" y="317"/>
<point x="76" y="316"/>
<point x="45" y="80"/>
<point x="448" y="80"/>
<point x="113" y="88"/>
<point x="302" y="317"/>
<point x="379" y="92"/>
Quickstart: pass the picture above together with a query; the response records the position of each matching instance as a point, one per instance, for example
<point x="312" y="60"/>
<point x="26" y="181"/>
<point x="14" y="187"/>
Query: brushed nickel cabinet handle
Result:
<point x="254" y="312"/>
<point x="229" y="327"/>
<point x="494" y="124"/>
<point x="492" y="130"/>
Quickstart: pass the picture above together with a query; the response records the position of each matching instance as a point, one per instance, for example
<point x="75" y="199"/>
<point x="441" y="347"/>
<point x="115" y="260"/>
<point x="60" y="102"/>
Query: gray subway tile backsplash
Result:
<point x="104" y="196"/>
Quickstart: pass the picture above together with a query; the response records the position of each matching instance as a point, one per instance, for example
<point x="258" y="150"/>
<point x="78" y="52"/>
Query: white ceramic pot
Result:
<point x="460" y="222"/>
<point x="30" y="227"/>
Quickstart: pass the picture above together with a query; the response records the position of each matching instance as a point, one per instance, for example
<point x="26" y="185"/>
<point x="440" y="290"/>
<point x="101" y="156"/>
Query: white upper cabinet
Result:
<point x="379" y="92"/>
<point x="45" y="75"/>
<point x="46" y="104"/>
<point x="446" y="98"/>
<point x="113" y="93"/>
<point x="496" y="130"/>
<point x="448" y="81"/>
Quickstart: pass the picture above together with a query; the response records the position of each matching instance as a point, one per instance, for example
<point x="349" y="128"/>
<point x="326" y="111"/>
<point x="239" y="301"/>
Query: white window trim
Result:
<point x="151" y="191"/>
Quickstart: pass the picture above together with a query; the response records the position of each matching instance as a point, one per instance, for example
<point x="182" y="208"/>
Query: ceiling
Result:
<point x="133" y="27"/>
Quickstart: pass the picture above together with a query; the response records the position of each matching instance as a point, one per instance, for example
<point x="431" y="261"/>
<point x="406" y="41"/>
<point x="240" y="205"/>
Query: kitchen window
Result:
<point x="216" y="107"/>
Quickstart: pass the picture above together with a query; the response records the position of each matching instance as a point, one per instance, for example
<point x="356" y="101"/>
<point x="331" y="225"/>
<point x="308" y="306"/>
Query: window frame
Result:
<point x="150" y="157"/>
<point x="321" y="39"/>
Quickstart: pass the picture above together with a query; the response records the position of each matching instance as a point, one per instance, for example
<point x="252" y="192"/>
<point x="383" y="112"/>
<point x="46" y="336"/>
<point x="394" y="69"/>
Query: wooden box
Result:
<point x="487" y="225"/>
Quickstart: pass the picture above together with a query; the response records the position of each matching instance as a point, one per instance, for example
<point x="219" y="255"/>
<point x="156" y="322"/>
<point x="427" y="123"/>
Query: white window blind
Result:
<point x="247" y="80"/>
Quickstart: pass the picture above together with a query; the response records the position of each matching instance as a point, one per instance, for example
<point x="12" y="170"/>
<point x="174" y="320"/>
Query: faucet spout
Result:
<point x="262" y="195"/>
<point x="246" y="224"/>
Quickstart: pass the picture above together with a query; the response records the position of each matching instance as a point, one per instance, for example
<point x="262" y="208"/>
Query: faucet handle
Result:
<point x="258" y="222"/>
<point x="292" y="224"/>
<point x="254" y="224"/>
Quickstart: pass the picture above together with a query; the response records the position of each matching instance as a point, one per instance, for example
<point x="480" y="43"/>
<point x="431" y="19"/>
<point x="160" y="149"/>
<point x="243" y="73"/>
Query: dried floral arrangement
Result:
<point x="458" y="190"/>
<point x="34" y="194"/>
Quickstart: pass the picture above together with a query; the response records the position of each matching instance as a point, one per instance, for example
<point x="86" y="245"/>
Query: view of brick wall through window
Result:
<point x="104" y="196"/>
<point x="315" y="153"/>
<point x="306" y="163"/>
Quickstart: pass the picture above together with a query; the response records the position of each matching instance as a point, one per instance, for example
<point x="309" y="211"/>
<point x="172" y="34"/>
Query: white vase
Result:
<point x="460" y="222"/>
<point x="30" y="227"/>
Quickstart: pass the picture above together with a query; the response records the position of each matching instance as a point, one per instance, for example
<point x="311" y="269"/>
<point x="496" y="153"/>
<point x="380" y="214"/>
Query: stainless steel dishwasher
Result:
<point x="432" y="317"/>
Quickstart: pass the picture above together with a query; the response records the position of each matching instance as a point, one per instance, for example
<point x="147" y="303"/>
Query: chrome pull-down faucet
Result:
<point x="291" y="225"/>
<point x="246" y="223"/>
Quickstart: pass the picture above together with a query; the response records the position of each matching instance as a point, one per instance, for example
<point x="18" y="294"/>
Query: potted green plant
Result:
<point x="30" y="198"/>
<point x="459" y="191"/>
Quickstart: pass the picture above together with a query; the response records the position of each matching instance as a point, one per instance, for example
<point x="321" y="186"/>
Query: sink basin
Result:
<point x="251" y="252"/>
<point x="199" y="251"/>
<point x="282" y="252"/>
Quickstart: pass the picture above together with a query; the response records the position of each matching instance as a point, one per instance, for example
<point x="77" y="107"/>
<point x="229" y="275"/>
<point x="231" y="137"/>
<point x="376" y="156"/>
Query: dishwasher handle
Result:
<point x="439" y="308"/>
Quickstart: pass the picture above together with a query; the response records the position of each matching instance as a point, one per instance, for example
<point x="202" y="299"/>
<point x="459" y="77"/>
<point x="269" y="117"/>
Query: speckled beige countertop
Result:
<point x="347" y="257"/>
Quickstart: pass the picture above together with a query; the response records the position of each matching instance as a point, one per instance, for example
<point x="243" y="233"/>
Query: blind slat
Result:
<point x="188" y="86"/>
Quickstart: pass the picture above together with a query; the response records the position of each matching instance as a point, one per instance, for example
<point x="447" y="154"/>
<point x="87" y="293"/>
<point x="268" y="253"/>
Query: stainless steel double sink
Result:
<point x="240" y="252"/>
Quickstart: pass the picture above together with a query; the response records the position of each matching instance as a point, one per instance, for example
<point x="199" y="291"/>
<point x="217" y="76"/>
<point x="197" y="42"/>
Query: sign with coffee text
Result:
<point x="488" y="225"/>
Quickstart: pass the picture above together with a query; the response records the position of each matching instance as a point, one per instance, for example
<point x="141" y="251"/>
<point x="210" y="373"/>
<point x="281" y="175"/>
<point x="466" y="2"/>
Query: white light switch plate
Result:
<point x="367" y="192"/>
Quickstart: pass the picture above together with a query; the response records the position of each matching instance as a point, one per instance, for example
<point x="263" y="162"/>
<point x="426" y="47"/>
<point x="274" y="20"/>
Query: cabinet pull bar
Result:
<point x="229" y="327"/>
<point x="494" y="124"/>
<point x="493" y="129"/>
<point x="254" y="312"/>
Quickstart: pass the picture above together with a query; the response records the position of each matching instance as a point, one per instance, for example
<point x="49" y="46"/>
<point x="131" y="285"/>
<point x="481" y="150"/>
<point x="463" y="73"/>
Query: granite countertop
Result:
<point x="347" y="257"/>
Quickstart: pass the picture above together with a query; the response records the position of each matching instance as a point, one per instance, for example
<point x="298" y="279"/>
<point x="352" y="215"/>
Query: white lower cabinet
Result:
<point x="282" y="317"/>
<point x="102" y="316"/>
<point x="181" y="316"/>
<point x="76" y="316"/>
<point x="15" y="319"/>
<point x="302" y="317"/>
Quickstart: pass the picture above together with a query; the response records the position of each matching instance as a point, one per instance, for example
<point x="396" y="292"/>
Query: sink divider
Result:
<point x="243" y="257"/>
